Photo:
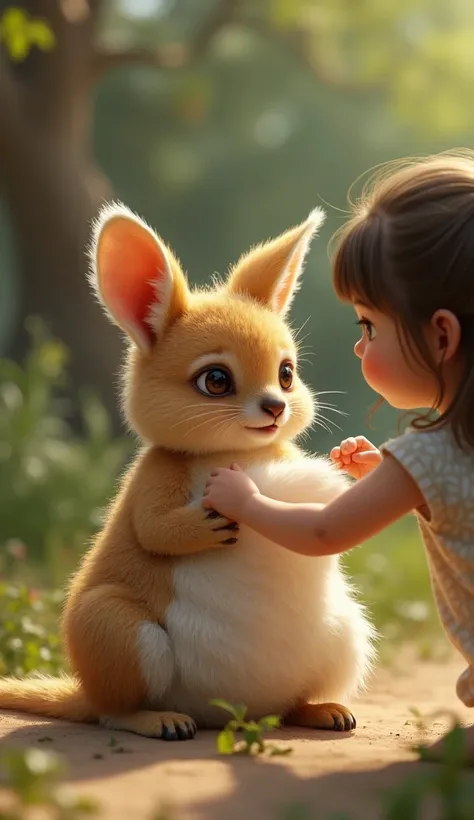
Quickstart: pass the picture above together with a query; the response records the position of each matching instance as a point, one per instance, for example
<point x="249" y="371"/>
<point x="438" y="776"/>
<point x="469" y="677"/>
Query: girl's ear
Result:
<point x="445" y="335"/>
<point x="270" y="272"/>
<point x="135" y="275"/>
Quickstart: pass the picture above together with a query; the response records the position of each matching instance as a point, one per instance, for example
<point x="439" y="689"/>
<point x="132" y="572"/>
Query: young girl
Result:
<point x="406" y="263"/>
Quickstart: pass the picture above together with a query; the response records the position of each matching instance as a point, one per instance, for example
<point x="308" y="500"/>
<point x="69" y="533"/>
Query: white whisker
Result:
<point x="329" y="422"/>
<point x="209" y="412"/>
<point x="330" y="409"/>
<point x="327" y="392"/>
<point x="301" y="328"/>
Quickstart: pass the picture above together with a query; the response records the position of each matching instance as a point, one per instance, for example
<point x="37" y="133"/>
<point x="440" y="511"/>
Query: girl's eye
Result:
<point x="368" y="329"/>
<point x="286" y="375"/>
<point x="214" y="381"/>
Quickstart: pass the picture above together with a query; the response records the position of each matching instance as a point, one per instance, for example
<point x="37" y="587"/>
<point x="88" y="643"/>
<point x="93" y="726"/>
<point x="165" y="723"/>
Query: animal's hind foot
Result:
<point x="330" y="716"/>
<point x="162" y="725"/>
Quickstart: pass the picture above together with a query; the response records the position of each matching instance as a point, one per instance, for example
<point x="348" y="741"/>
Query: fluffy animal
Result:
<point x="174" y="605"/>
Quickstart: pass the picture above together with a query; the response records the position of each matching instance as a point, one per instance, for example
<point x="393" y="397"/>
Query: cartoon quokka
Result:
<point x="173" y="605"/>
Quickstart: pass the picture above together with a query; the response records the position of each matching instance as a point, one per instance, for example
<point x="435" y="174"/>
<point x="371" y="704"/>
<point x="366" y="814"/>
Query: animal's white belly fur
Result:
<point x="259" y="625"/>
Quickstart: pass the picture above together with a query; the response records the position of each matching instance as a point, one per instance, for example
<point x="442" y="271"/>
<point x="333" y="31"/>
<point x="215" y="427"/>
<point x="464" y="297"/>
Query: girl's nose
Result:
<point x="359" y="348"/>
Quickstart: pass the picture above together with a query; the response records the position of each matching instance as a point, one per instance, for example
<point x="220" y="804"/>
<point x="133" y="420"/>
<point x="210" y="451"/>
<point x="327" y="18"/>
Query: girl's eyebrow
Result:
<point x="358" y="303"/>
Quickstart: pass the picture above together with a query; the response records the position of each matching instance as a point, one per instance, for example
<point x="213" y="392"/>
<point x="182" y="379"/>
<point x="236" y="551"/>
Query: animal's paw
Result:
<point x="176" y="726"/>
<point x="330" y="716"/>
<point x="162" y="725"/>
<point x="225" y="531"/>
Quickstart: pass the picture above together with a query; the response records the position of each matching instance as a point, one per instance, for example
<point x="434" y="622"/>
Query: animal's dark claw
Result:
<point x="213" y="514"/>
<point x="338" y="723"/>
<point x="186" y="731"/>
<point x="234" y="527"/>
<point x="169" y="734"/>
<point x="182" y="730"/>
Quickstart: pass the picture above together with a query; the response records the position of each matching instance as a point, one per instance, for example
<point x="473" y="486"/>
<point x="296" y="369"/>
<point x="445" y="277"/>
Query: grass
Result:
<point x="34" y="778"/>
<point x="29" y="639"/>
<point x="391" y="574"/>
<point x="54" y="484"/>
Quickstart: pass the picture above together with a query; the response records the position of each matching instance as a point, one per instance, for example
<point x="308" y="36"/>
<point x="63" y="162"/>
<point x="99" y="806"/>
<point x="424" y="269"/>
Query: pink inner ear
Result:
<point x="129" y="261"/>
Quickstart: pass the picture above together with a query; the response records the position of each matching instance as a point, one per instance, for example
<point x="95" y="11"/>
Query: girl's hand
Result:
<point x="356" y="456"/>
<point x="228" y="491"/>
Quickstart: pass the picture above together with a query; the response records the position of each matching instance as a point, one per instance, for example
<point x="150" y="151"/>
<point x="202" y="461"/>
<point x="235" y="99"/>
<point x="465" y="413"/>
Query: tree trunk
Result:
<point x="53" y="190"/>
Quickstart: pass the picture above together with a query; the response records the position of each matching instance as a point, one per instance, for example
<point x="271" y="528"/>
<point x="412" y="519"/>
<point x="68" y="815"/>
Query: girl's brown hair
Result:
<point x="408" y="250"/>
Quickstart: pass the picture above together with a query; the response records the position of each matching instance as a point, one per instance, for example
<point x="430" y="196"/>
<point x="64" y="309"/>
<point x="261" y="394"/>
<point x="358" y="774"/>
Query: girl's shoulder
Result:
<point x="439" y="466"/>
<point x="434" y="442"/>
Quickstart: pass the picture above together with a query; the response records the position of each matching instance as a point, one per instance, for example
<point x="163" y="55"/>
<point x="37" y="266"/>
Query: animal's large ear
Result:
<point x="135" y="275"/>
<point x="270" y="272"/>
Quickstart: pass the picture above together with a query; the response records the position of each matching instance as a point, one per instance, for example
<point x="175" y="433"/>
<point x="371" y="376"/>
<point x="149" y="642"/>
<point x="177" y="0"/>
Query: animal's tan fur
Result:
<point x="153" y="619"/>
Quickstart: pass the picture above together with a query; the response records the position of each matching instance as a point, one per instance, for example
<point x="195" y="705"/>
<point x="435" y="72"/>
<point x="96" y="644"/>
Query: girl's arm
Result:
<point x="365" y="509"/>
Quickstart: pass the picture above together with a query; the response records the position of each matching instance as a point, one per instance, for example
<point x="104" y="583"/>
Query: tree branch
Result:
<point x="173" y="55"/>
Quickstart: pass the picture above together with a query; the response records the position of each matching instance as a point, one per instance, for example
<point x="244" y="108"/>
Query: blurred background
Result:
<point x="222" y="122"/>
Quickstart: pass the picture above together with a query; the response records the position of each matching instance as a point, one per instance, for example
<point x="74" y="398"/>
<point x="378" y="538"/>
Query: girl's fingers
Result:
<point x="335" y="453"/>
<point x="367" y="457"/>
<point x="364" y="443"/>
<point x="348" y="446"/>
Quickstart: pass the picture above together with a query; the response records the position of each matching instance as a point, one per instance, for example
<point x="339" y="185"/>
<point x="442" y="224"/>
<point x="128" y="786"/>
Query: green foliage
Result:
<point x="53" y="485"/>
<point x="391" y="574"/>
<point x="20" y="33"/>
<point x="33" y="775"/>
<point x="29" y="638"/>
<point x="253" y="742"/>
<point x="415" y="53"/>
<point x="446" y="783"/>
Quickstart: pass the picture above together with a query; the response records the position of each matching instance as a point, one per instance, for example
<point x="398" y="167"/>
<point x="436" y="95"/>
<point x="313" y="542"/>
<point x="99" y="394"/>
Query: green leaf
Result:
<point x="238" y="711"/>
<point x="252" y="734"/>
<point x="18" y="45"/>
<point x="42" y="35"/>
<point x="270" y="722"/>
<point x="223" y="704"/>
<point x="406" y="801"/>
<point x="13" y="19"/>
<point x="225" y="742"/>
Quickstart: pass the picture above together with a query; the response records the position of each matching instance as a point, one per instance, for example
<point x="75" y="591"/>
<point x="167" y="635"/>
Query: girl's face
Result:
<point x="388" y="368"/>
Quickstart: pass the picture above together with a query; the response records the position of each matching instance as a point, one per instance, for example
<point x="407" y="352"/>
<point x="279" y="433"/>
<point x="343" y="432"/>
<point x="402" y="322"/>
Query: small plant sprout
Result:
<point x="252" y="742"/>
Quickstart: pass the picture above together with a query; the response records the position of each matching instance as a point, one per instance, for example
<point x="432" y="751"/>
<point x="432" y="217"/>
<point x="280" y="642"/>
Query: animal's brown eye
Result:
<point x="286" y="375"/>
<point x="215" y="381"/>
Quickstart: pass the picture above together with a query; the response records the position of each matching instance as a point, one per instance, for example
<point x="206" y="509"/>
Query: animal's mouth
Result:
<point x="266" y="430"/>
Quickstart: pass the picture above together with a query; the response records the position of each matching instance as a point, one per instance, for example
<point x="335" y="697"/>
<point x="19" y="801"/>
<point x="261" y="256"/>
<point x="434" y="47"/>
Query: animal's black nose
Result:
<point x="273" y="406"/>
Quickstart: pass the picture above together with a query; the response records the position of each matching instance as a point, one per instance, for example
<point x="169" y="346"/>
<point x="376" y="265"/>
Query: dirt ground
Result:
<point x="331" y="773"/>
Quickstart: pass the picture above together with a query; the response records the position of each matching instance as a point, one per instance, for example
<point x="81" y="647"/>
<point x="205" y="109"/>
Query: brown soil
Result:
<point x="331" y="773"/>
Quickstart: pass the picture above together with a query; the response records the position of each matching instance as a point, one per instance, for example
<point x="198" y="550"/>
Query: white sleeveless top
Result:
<point x="445" y="475"/>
